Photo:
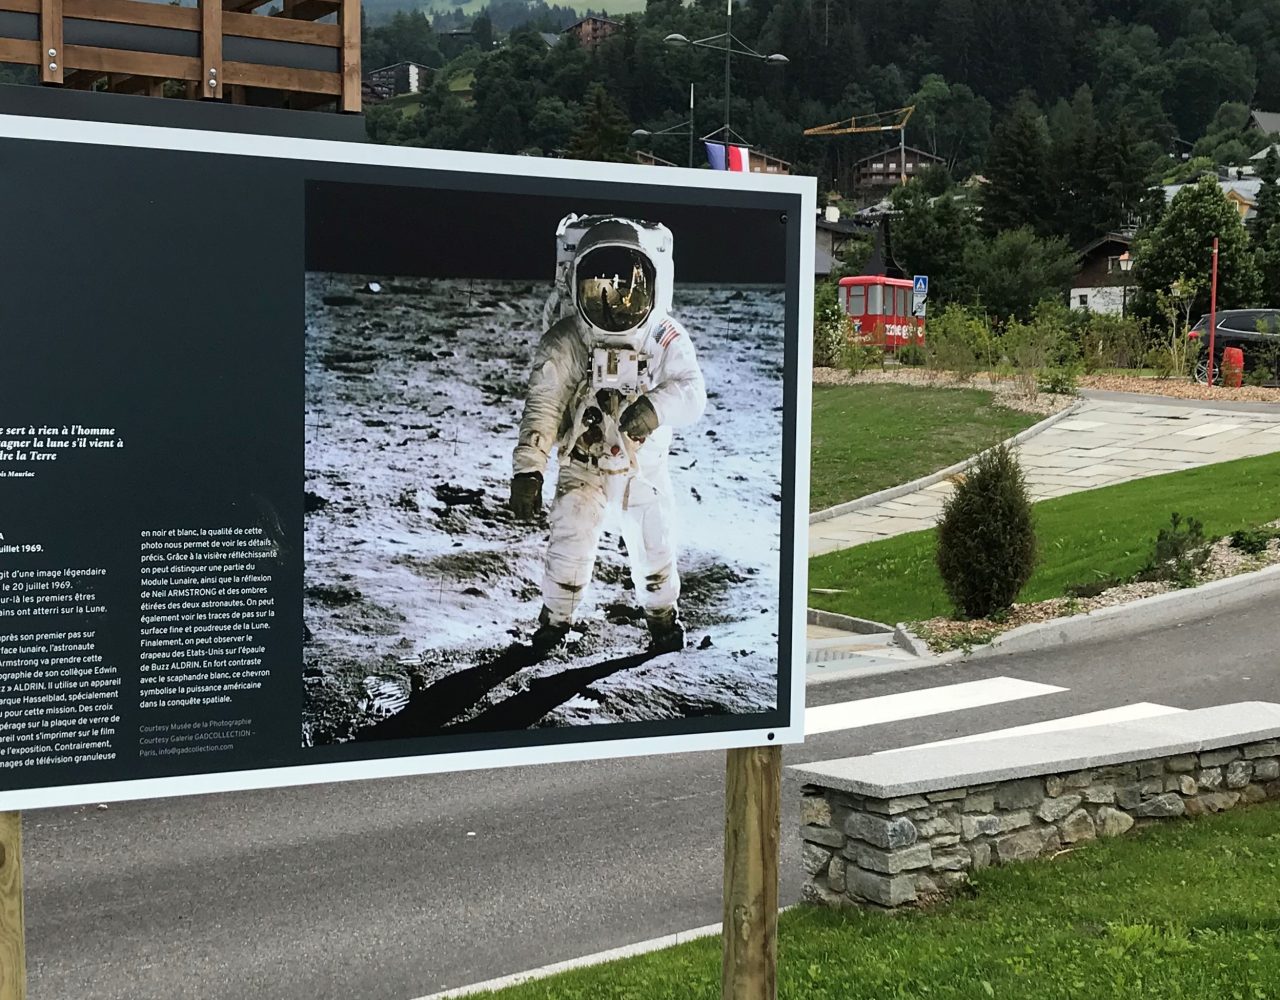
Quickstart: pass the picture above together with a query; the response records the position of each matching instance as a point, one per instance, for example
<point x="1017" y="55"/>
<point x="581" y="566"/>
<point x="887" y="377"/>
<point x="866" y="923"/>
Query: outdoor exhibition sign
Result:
<point x="323" y="461"/>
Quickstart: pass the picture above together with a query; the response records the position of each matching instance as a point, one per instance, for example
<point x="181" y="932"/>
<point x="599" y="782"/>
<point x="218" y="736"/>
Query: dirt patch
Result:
<point x="1008" y="392"/>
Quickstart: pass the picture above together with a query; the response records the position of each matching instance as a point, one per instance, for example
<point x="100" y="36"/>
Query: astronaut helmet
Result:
<point x="622" y="278"/>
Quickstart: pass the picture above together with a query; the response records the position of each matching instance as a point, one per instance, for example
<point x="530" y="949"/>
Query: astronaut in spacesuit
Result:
<point x="612" y="378"/>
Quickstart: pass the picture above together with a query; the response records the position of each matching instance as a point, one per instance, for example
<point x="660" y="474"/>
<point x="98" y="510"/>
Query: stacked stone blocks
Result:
<point x="889" y="852"/>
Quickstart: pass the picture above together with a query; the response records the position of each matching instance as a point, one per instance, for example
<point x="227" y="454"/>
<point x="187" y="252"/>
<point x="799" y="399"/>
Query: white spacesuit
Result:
<point x="612" y="377"/>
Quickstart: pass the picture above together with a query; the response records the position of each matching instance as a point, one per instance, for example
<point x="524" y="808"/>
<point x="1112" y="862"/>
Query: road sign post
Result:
<point x="919" y="293"/>
<point x="13" y="950"/>
<point x="752" y="822"/>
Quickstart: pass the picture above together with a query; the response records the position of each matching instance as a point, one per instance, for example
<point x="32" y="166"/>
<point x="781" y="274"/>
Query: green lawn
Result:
<point x="1184" y="911"/>
<point x="1083" y="537"/>
<point x="870" y="437"/>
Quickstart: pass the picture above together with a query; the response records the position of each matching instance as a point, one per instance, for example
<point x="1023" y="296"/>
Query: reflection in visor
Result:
<point x="615" y="288"/>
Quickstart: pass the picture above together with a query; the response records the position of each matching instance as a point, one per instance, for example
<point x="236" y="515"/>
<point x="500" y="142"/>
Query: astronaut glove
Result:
<point x="526" y="495"/>
<point x="639" y="420"/>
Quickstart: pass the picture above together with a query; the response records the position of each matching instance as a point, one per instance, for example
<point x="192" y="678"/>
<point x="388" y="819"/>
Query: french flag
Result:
<point x="722" y="156"/>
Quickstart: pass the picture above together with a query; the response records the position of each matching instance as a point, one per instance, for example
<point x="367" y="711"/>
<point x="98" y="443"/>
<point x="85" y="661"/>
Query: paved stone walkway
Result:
<point x="1106" y="442"/>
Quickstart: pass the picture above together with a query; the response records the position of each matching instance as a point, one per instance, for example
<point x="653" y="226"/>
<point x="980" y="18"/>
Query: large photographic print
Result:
<point x="544" y="485"/>
<point x="416" y="461"/>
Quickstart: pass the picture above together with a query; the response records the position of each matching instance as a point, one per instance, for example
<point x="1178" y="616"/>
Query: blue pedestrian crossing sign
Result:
<point x="921" y="289"/>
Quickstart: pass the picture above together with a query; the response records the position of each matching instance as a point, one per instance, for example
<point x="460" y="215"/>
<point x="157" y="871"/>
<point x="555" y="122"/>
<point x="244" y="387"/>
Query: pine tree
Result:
<point x="602" y="131"/>
<point x="1123" y="174"/>
<point x="1266" y="228"/>
<point x="1016" y="194"/>
<point x="986" y="536"/>
<point x="1268" y="209"/>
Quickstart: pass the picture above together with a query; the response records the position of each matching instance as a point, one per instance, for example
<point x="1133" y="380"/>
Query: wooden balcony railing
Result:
<point x="309" y="51"/>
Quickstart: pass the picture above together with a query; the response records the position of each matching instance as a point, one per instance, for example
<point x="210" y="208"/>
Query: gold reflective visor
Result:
<point x="615" y="290"/>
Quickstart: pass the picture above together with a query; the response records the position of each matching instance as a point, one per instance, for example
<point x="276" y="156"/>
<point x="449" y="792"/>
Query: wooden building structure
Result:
<point x="306" y="55"/>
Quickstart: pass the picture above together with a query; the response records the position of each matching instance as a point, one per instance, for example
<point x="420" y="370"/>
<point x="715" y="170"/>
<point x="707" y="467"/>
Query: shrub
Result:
<point x="1253" y="541"/>
<point x="986" y="537"/>
<point x="912" y="355"/>
<point x="1027" y="347"/>
<point x="1180" y="552"/>
<point x="957" y="341"/>
<point x="1062" y="381"/>
<point x="828" y="344"/>
<point x="828" y="325"/>
<point x="857" y="358"/>
<point x="1114" y="342"/>
<point x="1094" y="587"/>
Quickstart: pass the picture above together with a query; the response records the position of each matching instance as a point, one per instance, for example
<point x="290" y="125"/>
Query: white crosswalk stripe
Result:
<point x="916" y="704"/>
<point x="1122" y="713"/>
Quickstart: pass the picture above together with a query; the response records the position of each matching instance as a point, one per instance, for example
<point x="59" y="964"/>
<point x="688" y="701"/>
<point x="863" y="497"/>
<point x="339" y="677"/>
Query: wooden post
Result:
<point x="752" y="821"/>
<point x="350" y="18"/>
<point x="13" y="949"/>
<point x="211" y="83"/>
<point x="51" y="56"/>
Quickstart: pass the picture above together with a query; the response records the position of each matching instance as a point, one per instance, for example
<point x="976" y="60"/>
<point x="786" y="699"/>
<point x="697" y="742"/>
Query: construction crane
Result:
<point x="894" y="120"/>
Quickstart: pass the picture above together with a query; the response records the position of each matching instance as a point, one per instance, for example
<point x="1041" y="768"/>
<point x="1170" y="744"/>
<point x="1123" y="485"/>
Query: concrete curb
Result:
<point x="893" y="492"/>
<point x="904" y="638"/>
<point x="1159" y="611"/>
<point x="846" y="623"/>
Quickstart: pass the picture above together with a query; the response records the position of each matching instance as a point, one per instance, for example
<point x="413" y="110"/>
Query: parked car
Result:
<point x="1255" y="331"/>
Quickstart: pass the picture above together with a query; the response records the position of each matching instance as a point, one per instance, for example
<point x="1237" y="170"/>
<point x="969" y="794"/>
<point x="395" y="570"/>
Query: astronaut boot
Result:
<point x="666" y="630"/>
<point x="548" y="634"/>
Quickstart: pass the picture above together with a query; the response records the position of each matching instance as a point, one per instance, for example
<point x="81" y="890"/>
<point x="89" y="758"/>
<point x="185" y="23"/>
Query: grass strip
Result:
<point x="1082" y="537"/>
<point x="1185" y="910"/>
<point x="867" y="438"/>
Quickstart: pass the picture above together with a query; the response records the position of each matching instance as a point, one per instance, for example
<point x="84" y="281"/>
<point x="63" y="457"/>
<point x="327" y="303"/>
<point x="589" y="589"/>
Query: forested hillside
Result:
<point x="1157" y="71"/>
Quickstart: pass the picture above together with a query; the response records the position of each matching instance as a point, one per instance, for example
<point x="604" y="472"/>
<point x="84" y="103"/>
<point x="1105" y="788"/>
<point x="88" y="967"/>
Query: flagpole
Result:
<point x="690" y="126"/>
<point x="728" y="52"/>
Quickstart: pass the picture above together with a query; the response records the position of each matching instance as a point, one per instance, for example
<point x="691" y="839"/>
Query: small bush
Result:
<point x="1062" y="381"/>
<point x="986" y="537"/>
<point x="1119" y="341"/>
<point x="1253" y="541"/>
<point x="1094" y="587"/>
<point x="912" y="355"/>
<point x="828" y="344"/>
<point x="857" y="358"/>
<point x="1175" y="356"/>
<point x="1179" y="554"/>
<point x="828" y="325"/>
<point x="957" y="341"/>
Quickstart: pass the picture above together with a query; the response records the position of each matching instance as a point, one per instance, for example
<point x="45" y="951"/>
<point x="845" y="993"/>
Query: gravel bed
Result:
<point x="1224" y="561"/>
<point x="1179" y="389"/>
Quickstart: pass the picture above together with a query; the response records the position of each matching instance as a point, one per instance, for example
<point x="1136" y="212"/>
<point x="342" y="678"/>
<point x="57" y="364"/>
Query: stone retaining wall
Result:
<point x="891" y="852"/>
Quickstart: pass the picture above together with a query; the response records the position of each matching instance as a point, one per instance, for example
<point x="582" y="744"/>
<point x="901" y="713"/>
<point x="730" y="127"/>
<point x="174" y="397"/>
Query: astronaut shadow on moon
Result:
<point x="422" y="590"/>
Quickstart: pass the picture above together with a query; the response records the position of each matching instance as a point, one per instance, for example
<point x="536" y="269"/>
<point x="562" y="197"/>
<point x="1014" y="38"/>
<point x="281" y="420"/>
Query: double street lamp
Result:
<point x="728" y="43"/>
<point x="682" y="128"/>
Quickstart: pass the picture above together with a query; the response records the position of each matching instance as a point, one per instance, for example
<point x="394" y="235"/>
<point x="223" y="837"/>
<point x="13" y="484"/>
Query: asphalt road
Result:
<point x="393" y="889"/>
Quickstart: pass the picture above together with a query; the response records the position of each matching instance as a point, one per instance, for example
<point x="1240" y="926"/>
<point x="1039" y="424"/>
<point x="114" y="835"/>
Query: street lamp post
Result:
<point x="677" y="129"/>
<point x="731" y="46"/>
<point x="1126" y="265"/>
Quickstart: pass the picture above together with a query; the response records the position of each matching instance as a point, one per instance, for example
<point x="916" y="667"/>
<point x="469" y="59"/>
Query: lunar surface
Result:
<point x="421" y="590"/>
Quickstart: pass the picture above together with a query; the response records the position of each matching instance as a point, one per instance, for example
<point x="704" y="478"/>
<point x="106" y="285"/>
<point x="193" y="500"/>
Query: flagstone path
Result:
<point x="1106" y="441"/>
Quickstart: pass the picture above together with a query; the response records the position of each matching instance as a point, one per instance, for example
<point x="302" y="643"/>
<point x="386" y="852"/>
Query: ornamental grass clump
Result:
<point x="986" y="538"/>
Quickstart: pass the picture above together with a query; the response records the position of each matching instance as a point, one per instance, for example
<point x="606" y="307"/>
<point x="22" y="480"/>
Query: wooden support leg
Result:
<point x="752" y="820"/>
<point x="13" y="950"/>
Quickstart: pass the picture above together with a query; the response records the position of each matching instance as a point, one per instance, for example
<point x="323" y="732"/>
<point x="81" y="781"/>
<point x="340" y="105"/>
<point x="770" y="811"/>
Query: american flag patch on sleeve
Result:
<point x="669" y="334"/>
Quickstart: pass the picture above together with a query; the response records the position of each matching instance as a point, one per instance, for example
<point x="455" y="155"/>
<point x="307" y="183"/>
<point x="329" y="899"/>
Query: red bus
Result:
<point x="880" y="311"/>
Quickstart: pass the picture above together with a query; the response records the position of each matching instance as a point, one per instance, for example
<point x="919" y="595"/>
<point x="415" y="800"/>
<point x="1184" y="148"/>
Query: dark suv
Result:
<point x="1255" y="331"/>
